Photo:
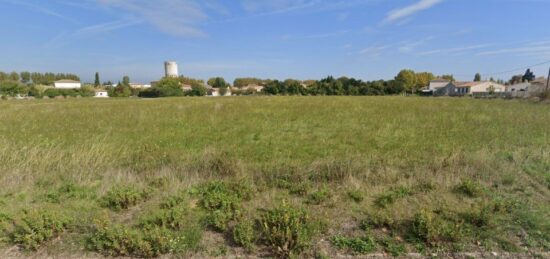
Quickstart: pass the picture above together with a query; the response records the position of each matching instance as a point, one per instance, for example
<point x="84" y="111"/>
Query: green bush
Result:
<point x="123" y="197"/>
<point x="173" y="218"/>
<point x="389" y="197"/>
<point x="222" y="201"/>
<point x="244" y="234"/>
<point x="363" y="245"/>
<point x="378" y="219"/>
<point x="393" y="247"/>
<point x="318" y="197"/>
<point x="355" y="196"/>
<point x="119" y="240"/>
<point x="470" y="188"/>
<point x="286" y="230"/>
<point x="36" y="227"/>
<point x="433" y="229"/>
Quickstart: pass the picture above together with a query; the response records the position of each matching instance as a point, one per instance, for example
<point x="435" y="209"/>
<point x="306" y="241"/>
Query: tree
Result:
<point x="528" y="76"/>
<point x="14" y="76"/>
<point x="217" y="82"/>
<point x="25" y="77"/>
<point x="126" y="81"/>
<point x="423" y="79"/>
<point x="198" y="90"/>
<point x="407" y="79"/>
<point x="515" y="79"/>
<point x="97" y="83"/>
<point x="477" y="77"/>
<point x="448" y="77"/>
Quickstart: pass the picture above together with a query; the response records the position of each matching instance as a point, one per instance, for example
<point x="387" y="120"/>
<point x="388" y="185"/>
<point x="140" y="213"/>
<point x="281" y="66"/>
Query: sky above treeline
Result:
<point x="277" y="39"/>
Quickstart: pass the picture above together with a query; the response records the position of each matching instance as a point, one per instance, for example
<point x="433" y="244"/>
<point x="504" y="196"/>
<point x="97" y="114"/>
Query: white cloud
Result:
<point x="41" y="9"/>
<point x="175" y="17"/>
<point x="455" y="50"/>
<point x="254" y="6"/>
<point x="373" y="51"/>
<point x="401" y="13"/>
<point x="105" y="27"/>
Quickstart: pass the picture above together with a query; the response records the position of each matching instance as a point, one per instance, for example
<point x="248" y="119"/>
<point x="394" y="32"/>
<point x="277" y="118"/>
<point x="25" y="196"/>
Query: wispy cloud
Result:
<point x="519" y="50"/>
<point x="373" y="51"/>
<point x="175" y="17"/>
<point x="455" y="50"/>
<point x="41" y="9"/>
<point x="105" y="27"/>
<point x="255" y="6"/>
<point x="402" y="13"/>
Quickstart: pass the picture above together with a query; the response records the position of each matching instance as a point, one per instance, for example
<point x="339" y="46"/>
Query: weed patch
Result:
<point x="286" y="230"/>
<point x="37" y="227"/>
<point x="362" y="245"/>
<point x="470" y="188"/>
<point x="355" y="195"/>
<point x="389" y="197"/>
<point x="244" y="234"/>
<point x="318" y="197"/>
<point x="123" y="197"/>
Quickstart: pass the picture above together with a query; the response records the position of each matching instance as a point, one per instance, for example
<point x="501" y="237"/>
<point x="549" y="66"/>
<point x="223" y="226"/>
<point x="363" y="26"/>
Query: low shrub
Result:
<point x="173" y="218"/>
<point x="123" y="197"/>
<point x="433" y="229"/>
<point x="222" y="201"/>
<point x="318" y="197"/>
<point x="480" y="216"/>
<point x="362" y="245"/>
<point x="286" y="230"/>
<point x="244" y="234"/>
<point x="174" y="201"/>
<point x="218" y="164"/>
<point x="36" y="227"/>
<point x="470" y="188"/>
<point x="120" y="240"/>
<point x="378" y="219"/>
<point x="393" y="247"/>
<point x="355" y="195"/>
<point x="389" y="197"/>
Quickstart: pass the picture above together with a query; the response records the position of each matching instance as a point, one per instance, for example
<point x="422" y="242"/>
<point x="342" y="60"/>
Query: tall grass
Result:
<point x="287" y="147"/>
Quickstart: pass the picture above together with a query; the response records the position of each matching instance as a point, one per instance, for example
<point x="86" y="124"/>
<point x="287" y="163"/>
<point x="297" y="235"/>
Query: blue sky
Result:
<point x="302" y="39"/>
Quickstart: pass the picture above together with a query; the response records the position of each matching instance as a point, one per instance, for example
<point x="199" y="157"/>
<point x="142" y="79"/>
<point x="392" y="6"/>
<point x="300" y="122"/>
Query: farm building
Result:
<point x="101" y="94"/>
<point x="67" y="84"/>
<point x="481" y="87"/>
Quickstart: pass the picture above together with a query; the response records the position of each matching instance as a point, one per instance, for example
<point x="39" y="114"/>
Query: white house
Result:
<point x="139" y="86"/>
<point x="101" y="94"/>
<point x="480" y="87"/>
<point x="437" y="84"/>
<point x="216" y="92"/>
<point x="67" y="84"/>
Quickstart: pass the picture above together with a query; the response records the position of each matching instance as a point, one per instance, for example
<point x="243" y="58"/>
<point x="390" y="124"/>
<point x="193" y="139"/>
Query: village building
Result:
<point x="479" y="88"/>
<point x="139" y="86"/>
<point x="67" y="84"/>
<point x="100" y="93"/>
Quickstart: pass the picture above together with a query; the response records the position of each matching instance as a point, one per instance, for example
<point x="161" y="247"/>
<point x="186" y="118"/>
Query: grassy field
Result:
<point x="273" y="176"/>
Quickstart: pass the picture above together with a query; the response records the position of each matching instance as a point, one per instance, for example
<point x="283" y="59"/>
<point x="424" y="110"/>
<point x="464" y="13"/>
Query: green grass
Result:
<point x="427" y="172"/>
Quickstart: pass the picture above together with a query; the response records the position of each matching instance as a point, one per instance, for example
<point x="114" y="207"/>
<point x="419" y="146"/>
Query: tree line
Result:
<point x="36" y="77"/>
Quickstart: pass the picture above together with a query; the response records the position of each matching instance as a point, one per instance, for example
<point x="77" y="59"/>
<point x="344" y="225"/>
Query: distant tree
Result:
<point x="126" y="81"/>
<point x="515" y="79"/>
<point x="242" y="82"/>
<point x="407" y="78"/>
<point x="423" y="79"/>
<point x="97" y="83"/>
<point x="528" y="76"/>
<point x="25" y="77"/>
<point x="217" y="82"/>
<point x="120" y="90"/>
<point x="492" y="79"/>
<point x="3" y="76"/>
<point x="190" y="81"/>
<point x="448" y="77"/>
<point x="14" y="76"/>
<point x="477" y="77"/>
<point x="198" y="90"/>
